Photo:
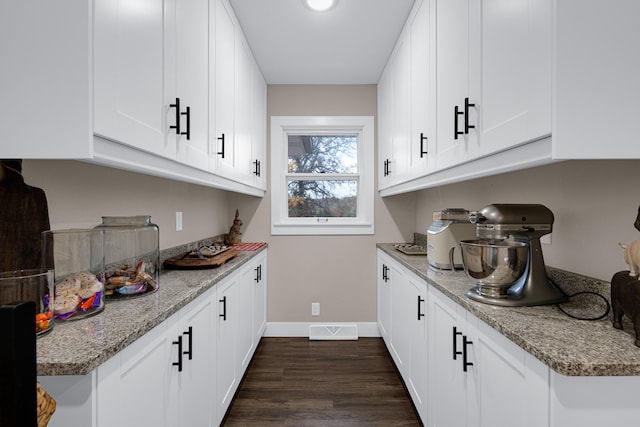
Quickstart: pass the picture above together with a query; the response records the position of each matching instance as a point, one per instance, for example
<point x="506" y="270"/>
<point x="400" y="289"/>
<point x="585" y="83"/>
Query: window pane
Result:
<point x="323" y="198"/>
<point x="323" y="153"/>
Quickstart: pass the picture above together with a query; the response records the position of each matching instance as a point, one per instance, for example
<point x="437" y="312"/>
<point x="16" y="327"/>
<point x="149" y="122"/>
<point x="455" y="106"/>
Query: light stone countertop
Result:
<point x="78" y="347"/>
<point x="568" y="346"/>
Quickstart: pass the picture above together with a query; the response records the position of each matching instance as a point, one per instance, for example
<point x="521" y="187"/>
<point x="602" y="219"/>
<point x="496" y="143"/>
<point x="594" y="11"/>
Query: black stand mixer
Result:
<point x="507" y="259"/>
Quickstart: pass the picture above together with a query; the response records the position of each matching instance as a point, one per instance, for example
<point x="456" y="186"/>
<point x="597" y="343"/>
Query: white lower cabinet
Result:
<point x="184" y="372"/>
<point x="460" y="372"/>
<point x="478" y="377"/>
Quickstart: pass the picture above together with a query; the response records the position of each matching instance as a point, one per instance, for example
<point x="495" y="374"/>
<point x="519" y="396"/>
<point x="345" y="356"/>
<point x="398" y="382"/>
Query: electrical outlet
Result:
<point x="178" y="221"/>
<point x="315" y="309"/>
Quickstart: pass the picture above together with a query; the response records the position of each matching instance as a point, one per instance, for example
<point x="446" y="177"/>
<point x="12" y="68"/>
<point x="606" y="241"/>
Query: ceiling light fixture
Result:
<point x="321" y="5"/>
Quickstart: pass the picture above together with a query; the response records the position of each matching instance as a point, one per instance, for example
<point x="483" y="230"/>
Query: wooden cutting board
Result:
<point x="187" y="261"/>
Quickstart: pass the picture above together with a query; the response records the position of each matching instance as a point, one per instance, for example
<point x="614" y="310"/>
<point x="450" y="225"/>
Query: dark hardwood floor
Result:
<point x="297" y="382"/>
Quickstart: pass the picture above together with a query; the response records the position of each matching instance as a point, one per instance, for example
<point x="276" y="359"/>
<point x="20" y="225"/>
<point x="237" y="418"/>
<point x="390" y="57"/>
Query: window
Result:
<point x="322" y="175"/>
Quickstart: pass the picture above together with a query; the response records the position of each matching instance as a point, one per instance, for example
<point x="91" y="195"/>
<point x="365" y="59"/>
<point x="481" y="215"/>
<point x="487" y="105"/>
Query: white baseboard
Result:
<point x="301" y="329"/>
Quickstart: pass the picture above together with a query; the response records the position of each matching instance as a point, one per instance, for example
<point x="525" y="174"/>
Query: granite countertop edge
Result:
<point x="568" y="346"/>
<point x="78" y="347"/>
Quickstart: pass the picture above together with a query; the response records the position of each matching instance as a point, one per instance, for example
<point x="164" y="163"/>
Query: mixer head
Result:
<point x="523" y="221"/>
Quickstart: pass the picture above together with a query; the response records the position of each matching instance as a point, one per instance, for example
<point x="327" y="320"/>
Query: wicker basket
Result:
<point x="46" y="406"/>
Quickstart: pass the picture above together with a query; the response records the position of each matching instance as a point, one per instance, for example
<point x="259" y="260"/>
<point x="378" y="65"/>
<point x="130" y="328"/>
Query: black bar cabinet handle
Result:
<point x="256" y="170"/>
<point x="455" y="345"/>
<point x="188" y="132"/>
<point x="456" y="113"/>
<point x="257" y="269"/>
<point x="420" y="314"/>
<point x="422" y="150"/>
<point x="177" y="107"/>
<point x="224" y="308"/>
<point x="221" y="138"/>
<point x="179" y="362"/>
<point x="467" y="126"/>
<point x="465" y="361"/>
<point x="189" y="333"/>
<point x="385" y="270"/>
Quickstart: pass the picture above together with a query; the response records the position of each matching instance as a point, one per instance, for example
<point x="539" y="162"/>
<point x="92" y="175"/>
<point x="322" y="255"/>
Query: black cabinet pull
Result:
<point x="420" y="314"/>
<point x="465" y="361"/>
<point x="385" y="273"/>
<point x="256" y="170"/>
<point x="467" y="126"/>
<point x="221" y="138"/>
<point x="177" y="107"/>
<point x="179" y="362"/>
<point x="224" y="308"/>
<point x="188" y="132"/>
<point x="422" y="150"/>
<point x="258" y="270"/>
<point x="189" y="333"/>
<point x="387" y="169"/>
<point x="455" y="345"/>
<point x="456" y="113"/>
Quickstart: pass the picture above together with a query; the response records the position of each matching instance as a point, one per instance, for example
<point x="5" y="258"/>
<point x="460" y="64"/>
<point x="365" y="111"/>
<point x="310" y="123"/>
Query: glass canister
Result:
<point x="77" y="260"/>
<point x="30" y="285"/>
<point x="132" y="255"/>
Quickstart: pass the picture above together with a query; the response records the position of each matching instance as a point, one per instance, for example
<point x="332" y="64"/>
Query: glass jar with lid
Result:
<point x="132" y="256"/>
<point x="77" y="259"/>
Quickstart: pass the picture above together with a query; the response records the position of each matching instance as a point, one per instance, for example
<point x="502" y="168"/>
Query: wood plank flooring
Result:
<point x="302" y="383"/>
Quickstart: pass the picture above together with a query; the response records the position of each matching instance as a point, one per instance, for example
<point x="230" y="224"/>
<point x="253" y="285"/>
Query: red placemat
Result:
<point x="248" y="246"/>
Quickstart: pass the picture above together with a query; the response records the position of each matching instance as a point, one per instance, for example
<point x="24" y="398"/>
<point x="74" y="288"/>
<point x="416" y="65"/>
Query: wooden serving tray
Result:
<point x="186" y="261"/>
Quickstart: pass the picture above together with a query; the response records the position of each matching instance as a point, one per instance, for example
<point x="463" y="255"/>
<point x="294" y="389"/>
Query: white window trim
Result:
<point x="281" y="126"/>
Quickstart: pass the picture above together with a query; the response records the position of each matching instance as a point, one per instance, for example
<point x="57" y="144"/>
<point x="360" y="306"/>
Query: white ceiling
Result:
<point x="349" y="44"/>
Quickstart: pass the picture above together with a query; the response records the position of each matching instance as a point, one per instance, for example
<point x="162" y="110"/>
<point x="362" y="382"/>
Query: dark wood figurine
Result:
<point x="625" y="299"/>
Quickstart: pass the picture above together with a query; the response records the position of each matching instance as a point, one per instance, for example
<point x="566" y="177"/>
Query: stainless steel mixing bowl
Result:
<point x="495" y="265"/>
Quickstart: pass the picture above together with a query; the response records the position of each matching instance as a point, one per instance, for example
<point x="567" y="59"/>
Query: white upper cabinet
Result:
<point x="596" y="79"/>
<point x="510" y="55"/>
<point x="421" y="158"/>
<point x="223" y="96"/>
<point x="192" y="67"/>
<point x="146" y="86"/>
<point x="452" y="63"/>
<point x="131" y="93"/>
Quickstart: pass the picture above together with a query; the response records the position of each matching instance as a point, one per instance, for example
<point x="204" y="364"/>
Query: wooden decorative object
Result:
<point x="233" y="238"/>
<point x="191" y="262"/>
<point x="23" y="218"/>
<point x="625" y="299"/>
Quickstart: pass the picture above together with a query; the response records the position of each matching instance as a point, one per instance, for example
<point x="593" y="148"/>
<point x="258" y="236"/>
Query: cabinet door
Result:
<point x="195" y="380"/>
<point x="447" y="380"/>
<point x="130" y="96"/>
<point x="243" y="126"/>
<point x="385" y="120"/>
<point x="400" y="138"/>
<point x="259" y="136"/>
<point x="223" y="96"/>
<point x="384" y="297"/>
<point x="422" y="93"/>
<point x="401" y="318"/>
<point x="242" y="315"/>
<point x="596" y="74"/>
<point x="226" y="371"/>
<point x="510" y="73"/>
<point x="452" y="61"/>
<point x="192" y="65"/>
<point x="502" y="377"/>
<point x="132" y="386"/>
<point x="260" y="298"/>
<point x="417" y="383"/>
